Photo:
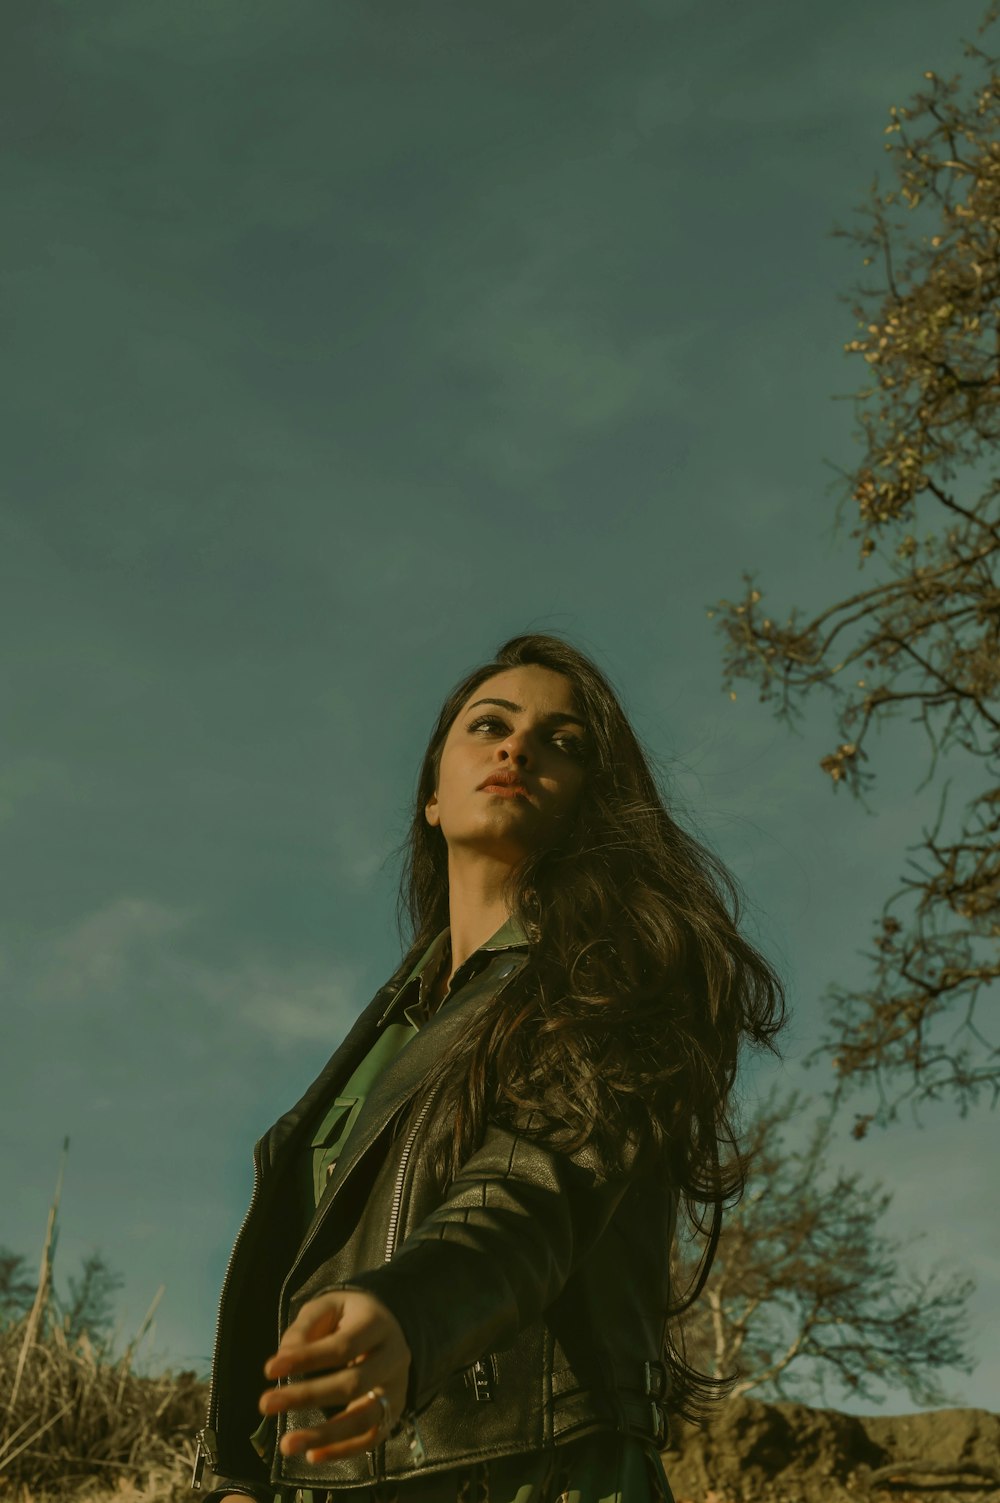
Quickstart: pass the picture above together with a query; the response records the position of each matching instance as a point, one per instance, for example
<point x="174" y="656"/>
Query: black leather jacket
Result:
<point x="532" y="1295"/>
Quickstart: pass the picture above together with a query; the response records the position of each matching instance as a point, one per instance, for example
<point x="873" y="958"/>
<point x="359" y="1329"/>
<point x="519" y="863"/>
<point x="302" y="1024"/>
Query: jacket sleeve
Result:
<point x="512" y="1228"/>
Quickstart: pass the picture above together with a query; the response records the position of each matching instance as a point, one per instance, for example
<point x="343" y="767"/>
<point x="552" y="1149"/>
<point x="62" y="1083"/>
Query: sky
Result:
<point x="341" y="344"/>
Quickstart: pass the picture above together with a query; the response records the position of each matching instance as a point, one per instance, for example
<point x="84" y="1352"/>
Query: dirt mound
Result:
<point x="752" y="1452"/>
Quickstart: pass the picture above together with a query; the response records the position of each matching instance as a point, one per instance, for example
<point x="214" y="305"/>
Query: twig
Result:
<point x="130" y="1349"/>
<point x="44" y="1279"/>
<point x="36" y="1433"/>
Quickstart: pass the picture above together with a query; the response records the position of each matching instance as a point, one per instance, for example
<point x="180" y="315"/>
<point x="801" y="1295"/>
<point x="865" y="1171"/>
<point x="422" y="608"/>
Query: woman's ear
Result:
<point x="431" y="810"/>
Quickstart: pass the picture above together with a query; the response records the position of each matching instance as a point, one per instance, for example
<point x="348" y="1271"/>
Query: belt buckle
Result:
<point x="654" y="1384"/>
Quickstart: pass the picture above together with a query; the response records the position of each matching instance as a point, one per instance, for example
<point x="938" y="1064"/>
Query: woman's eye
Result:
<point x="486" y="720"/>
<point x="571" y="744"/>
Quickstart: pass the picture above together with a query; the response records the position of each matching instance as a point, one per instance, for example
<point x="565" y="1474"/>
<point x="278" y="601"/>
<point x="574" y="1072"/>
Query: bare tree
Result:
<point x="17" y="1289"/>
<point x="926" y="636"/>
<point x="88" y="1309"/>
<point x="806" y="1288"/>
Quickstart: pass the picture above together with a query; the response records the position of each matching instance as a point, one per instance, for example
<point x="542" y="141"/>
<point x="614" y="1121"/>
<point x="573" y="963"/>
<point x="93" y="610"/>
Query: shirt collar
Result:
<point x="511" y="935"/>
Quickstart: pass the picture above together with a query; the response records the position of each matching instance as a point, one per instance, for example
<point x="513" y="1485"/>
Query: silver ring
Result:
<point x="386" y="1406"/>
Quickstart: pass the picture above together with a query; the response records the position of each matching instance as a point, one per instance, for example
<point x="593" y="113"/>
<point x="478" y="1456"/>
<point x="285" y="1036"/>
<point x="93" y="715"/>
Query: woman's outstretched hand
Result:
<point x="351" y="1342"/>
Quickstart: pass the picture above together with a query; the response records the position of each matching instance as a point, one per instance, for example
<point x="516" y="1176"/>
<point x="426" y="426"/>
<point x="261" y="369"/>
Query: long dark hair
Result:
<point x="624" y="1029"/>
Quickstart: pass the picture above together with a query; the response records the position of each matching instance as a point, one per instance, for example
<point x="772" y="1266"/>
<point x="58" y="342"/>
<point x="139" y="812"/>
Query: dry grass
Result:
<point x="78" y="1424"/>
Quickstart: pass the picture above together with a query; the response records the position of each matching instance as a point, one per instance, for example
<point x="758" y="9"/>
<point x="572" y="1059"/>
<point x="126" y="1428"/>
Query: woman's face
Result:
<point x="521" y="722"/>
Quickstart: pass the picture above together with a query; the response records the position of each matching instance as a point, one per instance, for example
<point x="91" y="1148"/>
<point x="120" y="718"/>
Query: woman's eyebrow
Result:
<point x="508" y="704"/>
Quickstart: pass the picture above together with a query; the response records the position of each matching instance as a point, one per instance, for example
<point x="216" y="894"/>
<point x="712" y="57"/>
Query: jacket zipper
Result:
<point x="479" y="1373"/>
<point x="206" y="1437"/>
<point x="414" y="1439"/>
<point x="206" y="1452"/>
<point x="397" y="1194"/>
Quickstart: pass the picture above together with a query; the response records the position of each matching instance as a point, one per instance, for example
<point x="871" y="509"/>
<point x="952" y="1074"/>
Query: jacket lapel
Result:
<point x="402" y="1075"/>
<point x="341" y="1065"/>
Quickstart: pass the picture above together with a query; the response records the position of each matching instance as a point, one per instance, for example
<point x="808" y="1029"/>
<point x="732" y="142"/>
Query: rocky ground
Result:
<point x="753" y="1452"/>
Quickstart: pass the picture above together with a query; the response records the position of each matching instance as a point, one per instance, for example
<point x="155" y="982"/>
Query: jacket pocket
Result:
<point x="330" y="1138"/>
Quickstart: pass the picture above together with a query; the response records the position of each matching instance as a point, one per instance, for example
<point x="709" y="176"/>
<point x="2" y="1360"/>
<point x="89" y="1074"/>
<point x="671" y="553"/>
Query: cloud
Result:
<point x="102" y="949"/>
<point x="142" y="956"/>
<point x="296" y="1009"/>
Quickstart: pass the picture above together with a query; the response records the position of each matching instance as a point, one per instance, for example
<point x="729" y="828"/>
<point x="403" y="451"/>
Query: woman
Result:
<point x="455" y="1265"/>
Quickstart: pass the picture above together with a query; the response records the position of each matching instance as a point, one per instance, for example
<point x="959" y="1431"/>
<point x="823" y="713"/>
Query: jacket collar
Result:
<point x="478" y="977"/>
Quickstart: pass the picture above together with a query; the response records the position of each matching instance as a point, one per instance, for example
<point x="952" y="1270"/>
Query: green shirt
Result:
<point x="600" y="1468"/>
<point x="409" y="1009"/>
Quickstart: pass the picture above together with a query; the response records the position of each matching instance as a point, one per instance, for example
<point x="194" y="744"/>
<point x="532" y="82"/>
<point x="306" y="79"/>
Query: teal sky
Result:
<point x="343" y="342"/>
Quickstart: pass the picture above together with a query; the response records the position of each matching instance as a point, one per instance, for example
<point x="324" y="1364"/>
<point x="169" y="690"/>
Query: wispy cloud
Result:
<point x="135" y="950"/>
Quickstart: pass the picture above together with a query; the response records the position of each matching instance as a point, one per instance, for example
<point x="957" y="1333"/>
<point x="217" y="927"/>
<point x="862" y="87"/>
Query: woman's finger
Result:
<point x="316" y="1318"/>
<point x="337" y="1350"/>
<point x="331" y="1390"/>
<point x="347" y="1325"/>
<point x="358" y="1428"/>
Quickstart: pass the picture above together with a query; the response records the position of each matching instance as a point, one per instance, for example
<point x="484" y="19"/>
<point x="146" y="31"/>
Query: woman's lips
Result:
<point x="508" y="790"/>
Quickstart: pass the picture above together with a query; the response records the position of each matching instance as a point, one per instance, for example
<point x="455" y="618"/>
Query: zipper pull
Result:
<point x="480" y="1375"/>
<point x="207" y="1451"/>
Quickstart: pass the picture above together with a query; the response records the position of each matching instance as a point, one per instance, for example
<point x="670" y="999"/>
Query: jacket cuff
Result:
<point x="217" y="1494"/>
<point x="216" y="1487"/>
<point x="209" y="1485"/>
